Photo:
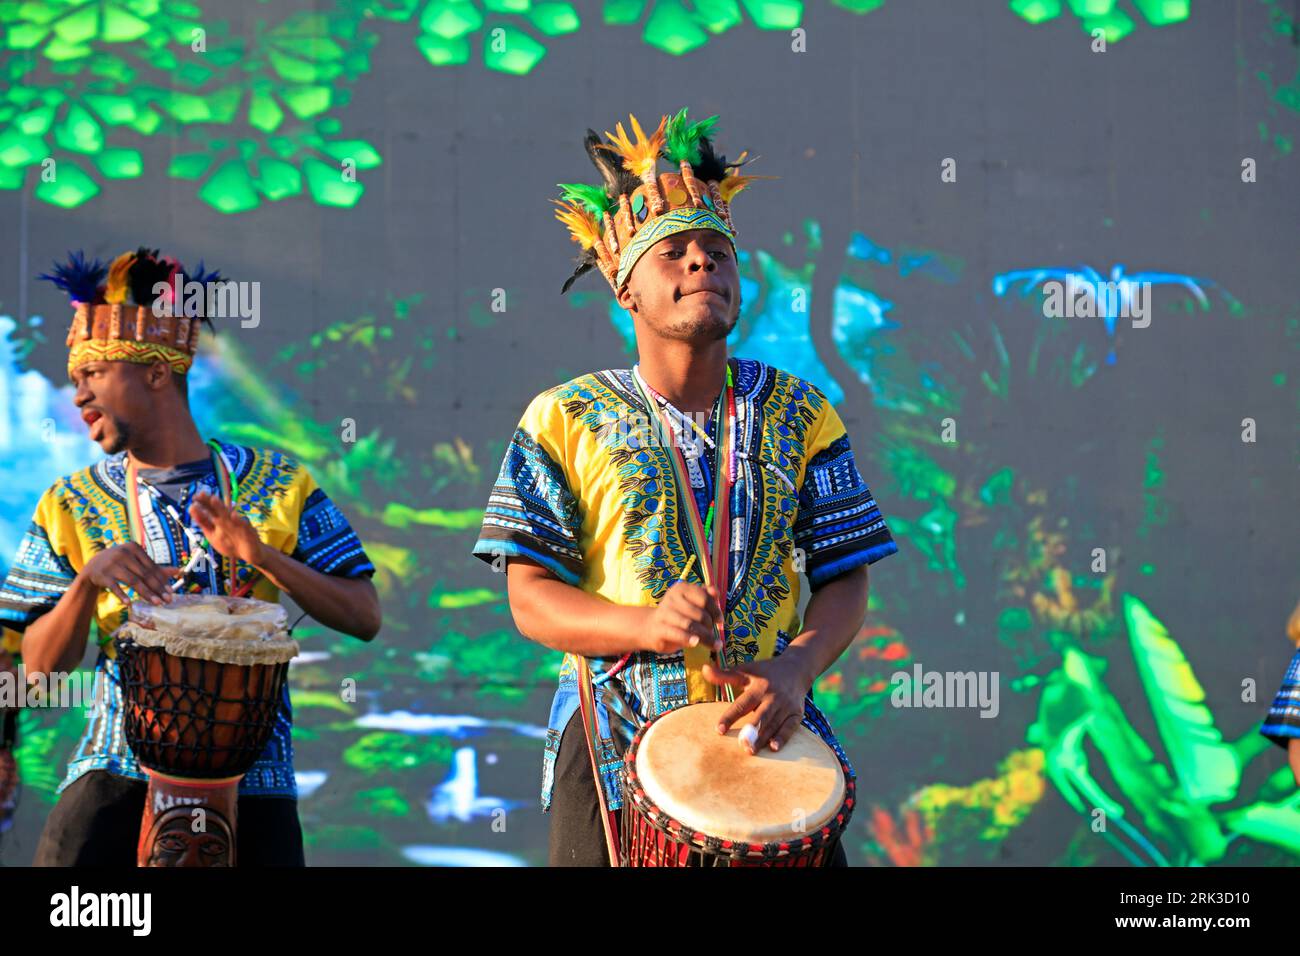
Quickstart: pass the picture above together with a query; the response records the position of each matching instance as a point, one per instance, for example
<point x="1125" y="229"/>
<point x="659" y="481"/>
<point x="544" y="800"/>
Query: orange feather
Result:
<point x="117" y="289"/>
<point x="641" y="155"/>
<point x="582" y="225"/>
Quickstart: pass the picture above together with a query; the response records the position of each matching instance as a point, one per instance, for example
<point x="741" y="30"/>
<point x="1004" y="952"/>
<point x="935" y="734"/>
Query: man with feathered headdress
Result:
<point x="666" y="573"/>
<point x="165" y="511"/>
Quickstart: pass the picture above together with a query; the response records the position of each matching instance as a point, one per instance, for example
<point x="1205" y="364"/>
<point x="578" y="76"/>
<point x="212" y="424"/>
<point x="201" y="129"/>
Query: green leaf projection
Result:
<point x="995" y="533"/>
<point x="1153" y="813"/>
<point x="255" y="119"/>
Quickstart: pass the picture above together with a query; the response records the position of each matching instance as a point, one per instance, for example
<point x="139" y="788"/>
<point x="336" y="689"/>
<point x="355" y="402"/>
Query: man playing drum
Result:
<point x="165" y="512"/>
<point x="654" y="521"/>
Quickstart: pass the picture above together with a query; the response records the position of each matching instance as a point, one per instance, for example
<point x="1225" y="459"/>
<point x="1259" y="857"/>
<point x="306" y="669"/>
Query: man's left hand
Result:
<point x="772" y="690"/>
<point x="229" y="532"/>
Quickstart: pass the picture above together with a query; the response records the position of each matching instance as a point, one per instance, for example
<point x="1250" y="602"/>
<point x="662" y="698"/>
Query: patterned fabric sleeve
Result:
<point x="1282" y="725"/>
<point x="326" y="542"/>
<point x="532" y="511"/>
<point x="39" y="576"/>
<point x="839" y="527"/>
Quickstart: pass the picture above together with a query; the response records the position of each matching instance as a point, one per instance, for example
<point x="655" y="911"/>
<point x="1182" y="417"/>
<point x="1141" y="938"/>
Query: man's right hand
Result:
<point x="688" y="616"/>
<point x="129" y="566"/>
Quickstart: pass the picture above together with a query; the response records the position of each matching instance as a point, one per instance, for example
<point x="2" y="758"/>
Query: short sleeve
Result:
<point x="326" y="541"/>
<point x="532" y="511"/>
<point x="839" y="526"/>
<point x="1282" y="725"/>
<point x="40" y="574"/>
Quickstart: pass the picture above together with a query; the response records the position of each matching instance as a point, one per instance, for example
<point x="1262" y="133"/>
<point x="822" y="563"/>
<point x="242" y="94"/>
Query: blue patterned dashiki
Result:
<point x="582" y="494"/>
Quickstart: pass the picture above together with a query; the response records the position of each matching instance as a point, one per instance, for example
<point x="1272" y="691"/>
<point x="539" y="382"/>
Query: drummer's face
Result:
<point x="114" y="396"/>
<point x="686" y="287"/>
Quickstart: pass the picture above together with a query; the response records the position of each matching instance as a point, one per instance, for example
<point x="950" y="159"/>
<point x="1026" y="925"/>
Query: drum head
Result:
<point x="210" y="627"/>
<point x="711" y="783"/>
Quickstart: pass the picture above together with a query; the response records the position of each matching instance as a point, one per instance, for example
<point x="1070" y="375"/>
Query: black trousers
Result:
<point x="97" y="823"/>
<point x="577" y="838"/>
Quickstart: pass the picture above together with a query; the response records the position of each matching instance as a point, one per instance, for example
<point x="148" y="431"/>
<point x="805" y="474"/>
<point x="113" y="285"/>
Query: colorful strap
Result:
<point x="229" y="489"/>
<point x="591" y="728"/>
<point x="715" y="528"/>
<point x="134" y="521"/>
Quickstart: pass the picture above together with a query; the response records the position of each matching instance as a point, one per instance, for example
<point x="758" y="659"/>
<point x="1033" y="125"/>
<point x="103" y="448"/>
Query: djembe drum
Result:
<point x="202" y="679"/>
<point x="694" y="797"/>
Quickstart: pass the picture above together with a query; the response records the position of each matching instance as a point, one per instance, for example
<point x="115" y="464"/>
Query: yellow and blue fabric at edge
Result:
<point x="1282" y="723"/>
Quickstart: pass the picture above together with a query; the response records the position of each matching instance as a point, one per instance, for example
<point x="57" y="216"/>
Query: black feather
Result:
<point x="146" y="272"/>
<point x="586" y="262"/>
<point x="205" y="278"/>
<point x="618" y="181"/>
<point x="712" y="167"/>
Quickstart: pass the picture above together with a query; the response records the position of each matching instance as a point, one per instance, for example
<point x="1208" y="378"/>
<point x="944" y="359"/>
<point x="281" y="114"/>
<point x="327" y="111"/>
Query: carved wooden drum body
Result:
<point x="202" y="680"/>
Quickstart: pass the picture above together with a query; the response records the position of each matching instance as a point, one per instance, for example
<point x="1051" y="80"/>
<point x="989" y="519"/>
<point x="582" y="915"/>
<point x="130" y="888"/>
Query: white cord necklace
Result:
<point x="199" y="557"/>
<point x="683" y="420"/>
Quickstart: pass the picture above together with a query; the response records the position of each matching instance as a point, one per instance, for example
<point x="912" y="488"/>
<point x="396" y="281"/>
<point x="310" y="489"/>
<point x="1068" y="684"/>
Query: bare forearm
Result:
<point x="1293" y="753"/>
<point x="350" y="605"/>
<point x="56" y="641"/>
<point x="565" y="618"/>
<point x="834" y="616"/>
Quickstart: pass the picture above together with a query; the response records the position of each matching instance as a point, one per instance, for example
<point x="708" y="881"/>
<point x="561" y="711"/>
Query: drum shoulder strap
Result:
<point x="591" y="731"/>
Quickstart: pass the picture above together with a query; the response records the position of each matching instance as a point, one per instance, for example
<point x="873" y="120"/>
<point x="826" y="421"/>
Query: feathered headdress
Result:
<point x="119" y="314"/>
<point x="636" y="206"/>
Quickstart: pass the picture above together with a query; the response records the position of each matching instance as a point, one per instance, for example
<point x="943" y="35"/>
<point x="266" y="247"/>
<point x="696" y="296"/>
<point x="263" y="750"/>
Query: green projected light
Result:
<point x="450" y="19"/>
<point x="512" y="51"/>
<point x="1161" y="13"/>
<point x="72" y="187"/>
<point x="253" y="116"/>
<point x="1106" y="15"/>
<point x="859" y="6"/>
<point x="672" y="29"/>
<point x="1036" y="11"/>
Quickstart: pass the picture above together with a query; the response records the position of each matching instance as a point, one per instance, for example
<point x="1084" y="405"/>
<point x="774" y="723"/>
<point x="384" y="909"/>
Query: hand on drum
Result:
<point x="129" y="566"/>
<point x="688" y="616"/>
<point x="773" y="691"/>
<point x="229" y="532"/>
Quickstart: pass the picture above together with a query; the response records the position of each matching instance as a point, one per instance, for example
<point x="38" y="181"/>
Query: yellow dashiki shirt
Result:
<point x="84" y="513"/>
<point x="583" y="493"/>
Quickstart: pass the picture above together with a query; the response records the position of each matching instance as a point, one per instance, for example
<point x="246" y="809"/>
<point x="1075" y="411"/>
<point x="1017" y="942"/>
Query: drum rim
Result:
<point x="826" y="835"/>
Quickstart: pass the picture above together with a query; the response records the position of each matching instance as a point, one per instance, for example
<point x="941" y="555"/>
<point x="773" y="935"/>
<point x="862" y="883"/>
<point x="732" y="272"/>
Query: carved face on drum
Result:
<point x="175" y="841"/>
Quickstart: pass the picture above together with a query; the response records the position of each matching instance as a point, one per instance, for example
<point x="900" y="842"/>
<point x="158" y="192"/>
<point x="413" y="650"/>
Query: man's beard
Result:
<point x="701" y="330"/>
<point x="121" y="439"/>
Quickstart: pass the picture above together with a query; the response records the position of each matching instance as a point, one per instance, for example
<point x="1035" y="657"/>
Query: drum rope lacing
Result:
<point x="179" y="714"/>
